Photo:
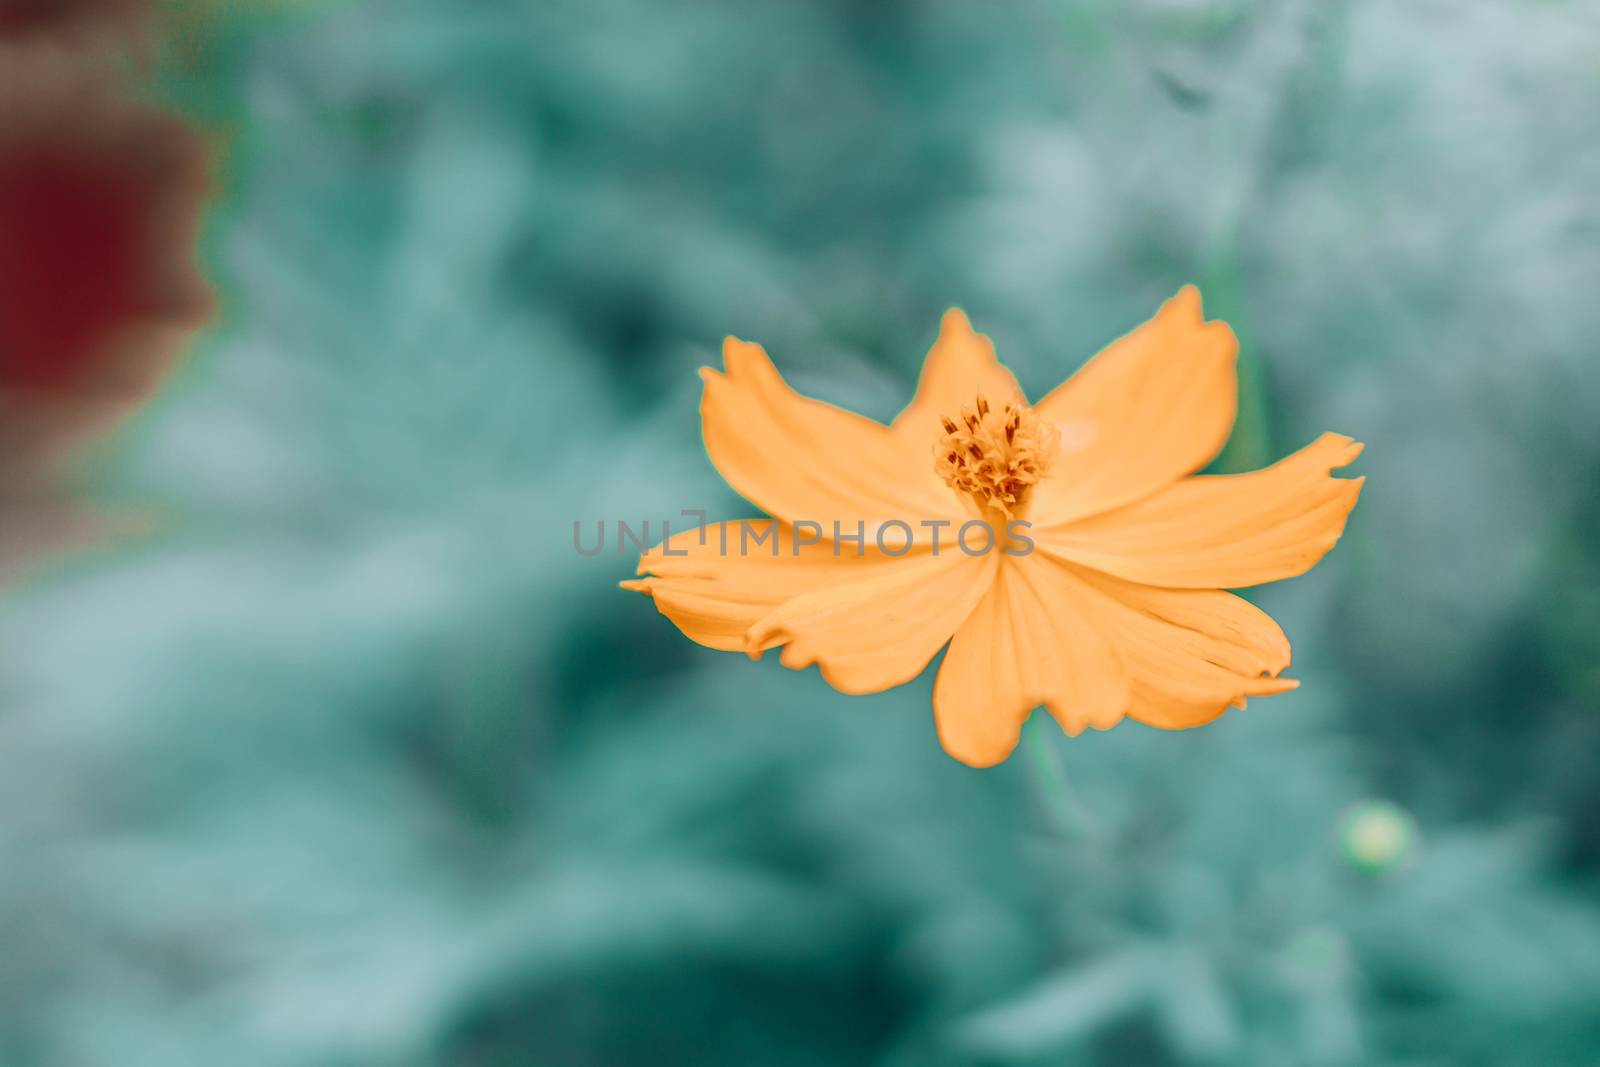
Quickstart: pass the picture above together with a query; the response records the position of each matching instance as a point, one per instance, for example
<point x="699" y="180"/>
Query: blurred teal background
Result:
<point x="351" y="760"/>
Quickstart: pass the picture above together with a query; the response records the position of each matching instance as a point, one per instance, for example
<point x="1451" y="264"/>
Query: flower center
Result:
<point x="996" y="455"/>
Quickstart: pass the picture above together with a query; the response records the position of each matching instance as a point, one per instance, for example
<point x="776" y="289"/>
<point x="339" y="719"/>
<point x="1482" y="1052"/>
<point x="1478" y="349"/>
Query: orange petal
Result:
<point x="879" y="629"/>
<point x="960" y="365"/>
<point x="1222" y="531"/>
<point x="1191" y="653"/>
<point x="802" y="460"/>
<point x="717" y="581"/>
<point x="1037" y="638"/>
<point x="1154" y="405"/>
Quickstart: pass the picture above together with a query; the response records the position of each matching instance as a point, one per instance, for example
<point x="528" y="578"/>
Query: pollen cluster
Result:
<point x="996" y="455"/>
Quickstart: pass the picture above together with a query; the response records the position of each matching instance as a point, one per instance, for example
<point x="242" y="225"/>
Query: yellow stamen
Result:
<point x="996" y="455"/>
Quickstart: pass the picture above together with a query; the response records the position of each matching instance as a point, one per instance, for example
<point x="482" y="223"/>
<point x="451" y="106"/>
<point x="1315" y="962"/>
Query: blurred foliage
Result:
<point x="355" y="761"/>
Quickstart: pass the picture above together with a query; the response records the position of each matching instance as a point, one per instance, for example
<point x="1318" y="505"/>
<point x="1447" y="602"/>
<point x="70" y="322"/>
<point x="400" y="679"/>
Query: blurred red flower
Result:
<point x="100" y="201"/>
<point x="22" y="17"/>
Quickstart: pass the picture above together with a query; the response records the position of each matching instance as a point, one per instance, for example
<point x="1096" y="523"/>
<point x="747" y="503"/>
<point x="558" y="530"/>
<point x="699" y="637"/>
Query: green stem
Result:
<point x="1050" y="775"/>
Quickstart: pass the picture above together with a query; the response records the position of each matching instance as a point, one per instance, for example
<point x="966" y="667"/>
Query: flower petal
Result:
<point x="1191" y="653"/>
<point x="800" y="459"/>
<point x="1154" y="405"/>
<point x="880" y="629"/>
<point x="960" y="365"/>
<point x="717" y="581"/>
<point x="1037" y="638"/>
<point x="1222" y="531"/>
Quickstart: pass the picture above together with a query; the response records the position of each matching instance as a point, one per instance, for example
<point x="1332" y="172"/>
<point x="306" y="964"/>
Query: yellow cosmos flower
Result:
<point x="1101" y="593"/>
